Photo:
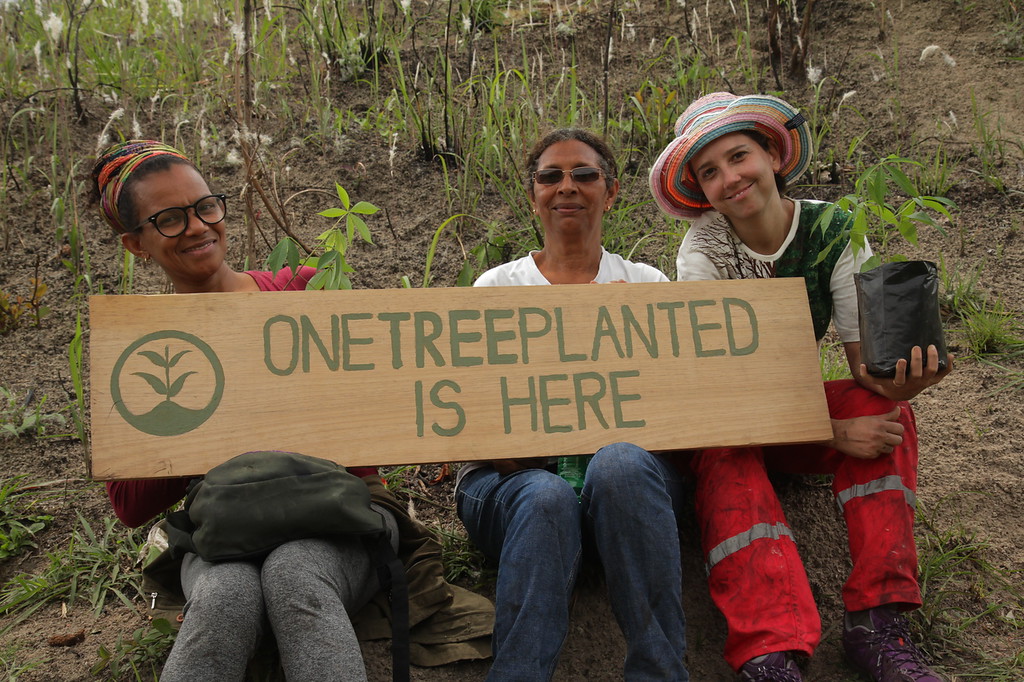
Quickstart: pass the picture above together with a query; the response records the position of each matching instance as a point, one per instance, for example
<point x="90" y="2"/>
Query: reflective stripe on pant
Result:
<point x="756" y="577"/>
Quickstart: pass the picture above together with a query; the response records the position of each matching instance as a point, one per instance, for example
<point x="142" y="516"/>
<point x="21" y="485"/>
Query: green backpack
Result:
<point x="245" y="507"/>
<point x="250" y="504"/>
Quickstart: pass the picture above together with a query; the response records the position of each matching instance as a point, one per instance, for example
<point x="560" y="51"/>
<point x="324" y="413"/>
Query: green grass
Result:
<point x="963" y="591"/>
<point x="13" y="663"/>
<point x="462" y="560"/>
<point x="833" y="361"/>
<point x="98" y="565"/>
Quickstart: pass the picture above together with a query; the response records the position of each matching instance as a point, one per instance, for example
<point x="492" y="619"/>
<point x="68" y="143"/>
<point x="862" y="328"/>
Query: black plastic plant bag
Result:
<point x="899" y="309"/>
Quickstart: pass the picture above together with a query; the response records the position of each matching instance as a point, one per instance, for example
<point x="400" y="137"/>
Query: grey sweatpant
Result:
<point x="304" y="590"/>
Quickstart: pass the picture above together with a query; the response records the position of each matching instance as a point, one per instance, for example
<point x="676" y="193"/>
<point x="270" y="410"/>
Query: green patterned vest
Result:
<point x="798" y="260"/>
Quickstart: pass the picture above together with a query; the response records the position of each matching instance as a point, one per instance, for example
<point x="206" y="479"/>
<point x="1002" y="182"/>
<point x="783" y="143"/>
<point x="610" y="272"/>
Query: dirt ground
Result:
<point x="972" y="465"/>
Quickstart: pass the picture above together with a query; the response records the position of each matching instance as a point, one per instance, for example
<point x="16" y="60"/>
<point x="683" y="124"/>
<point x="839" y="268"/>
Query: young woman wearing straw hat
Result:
<point x="727" y="171"/>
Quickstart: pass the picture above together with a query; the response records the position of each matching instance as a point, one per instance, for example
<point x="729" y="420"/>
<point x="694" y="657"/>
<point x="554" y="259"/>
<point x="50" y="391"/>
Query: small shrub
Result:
<point x="13" y="311"/>
<point x="141" y="655"/>
<point x="20" y="521"/>
<point x="19" y="418"/>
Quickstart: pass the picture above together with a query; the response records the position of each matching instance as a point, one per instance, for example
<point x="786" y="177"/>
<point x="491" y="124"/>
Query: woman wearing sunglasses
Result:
<point x="162" y="208"/>
<point x="522" y="514"/>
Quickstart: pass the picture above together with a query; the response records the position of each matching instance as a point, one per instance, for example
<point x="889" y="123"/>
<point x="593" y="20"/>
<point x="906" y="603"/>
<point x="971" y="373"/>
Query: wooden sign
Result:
<point x="180" y="383"/>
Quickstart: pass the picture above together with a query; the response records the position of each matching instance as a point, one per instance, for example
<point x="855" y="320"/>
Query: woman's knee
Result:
<point x="545" y="495"/>
<point x="847" y="399"/>
<point x="314" y="559"/>
<point x="613" y="462"/>
<point x="226" y="588"/>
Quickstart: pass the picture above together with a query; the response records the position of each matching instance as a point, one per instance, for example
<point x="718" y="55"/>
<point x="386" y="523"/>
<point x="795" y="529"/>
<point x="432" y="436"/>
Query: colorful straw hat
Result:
<point x="672" y="181"/>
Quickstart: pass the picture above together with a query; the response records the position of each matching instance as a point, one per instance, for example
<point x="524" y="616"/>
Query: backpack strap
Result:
<point x="391" y="574"/>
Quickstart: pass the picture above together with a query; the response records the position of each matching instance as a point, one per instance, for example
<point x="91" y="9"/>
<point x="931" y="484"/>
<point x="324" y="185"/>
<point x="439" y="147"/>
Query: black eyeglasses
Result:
<point x="171" y="222"/>
<point x="553" y="176"/>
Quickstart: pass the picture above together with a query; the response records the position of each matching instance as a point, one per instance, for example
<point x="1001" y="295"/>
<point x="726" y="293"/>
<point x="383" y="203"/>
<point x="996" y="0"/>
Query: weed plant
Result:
<point x="14" y="311"/>
<point x="20" y="517"/>
<point x="18" y="416"/>
<point x="77" y="370"/>
<point x="961" y="587"/>
<point x="984" y="325"/>
<point x="463" y="562"/>
<point x="139" y="656"/>
<point x="832" y="359"/>
<point x="990" y="329"/>
<point x="991" y="146"/>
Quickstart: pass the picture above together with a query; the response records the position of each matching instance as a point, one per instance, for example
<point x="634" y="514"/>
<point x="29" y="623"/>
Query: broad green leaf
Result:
<point x="333" y="212"/>
<point x="286" y="252"/>
<point x="922" y="217"/>
<point x="823" y="254"/>
<point x="871" y="263"/>
<point x="333" y="240"/>
<point x="937" y="205"/>
<point x="909" y="231"/>
<point x="318" y="280"/>
<point x="360" y="227"/>
<point x="900" y="178"/>
<point x="860" y="222"/>
<point x="825" y="219"/>
<point x="465" y="278"/>
<point x="877" y="188"/>
<point x="328" y="260"/>
<point x="364" y="208"/>
<point x="858" y="240"/>
<point x="343" y="195"/>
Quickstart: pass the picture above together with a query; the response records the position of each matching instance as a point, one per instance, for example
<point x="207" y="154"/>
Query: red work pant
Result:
<point x="756" y="577"/>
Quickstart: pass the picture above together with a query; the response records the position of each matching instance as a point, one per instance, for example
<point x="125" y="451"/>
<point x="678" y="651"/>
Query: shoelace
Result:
<point x="893" y="640"/>
<point x="773" y="674"/>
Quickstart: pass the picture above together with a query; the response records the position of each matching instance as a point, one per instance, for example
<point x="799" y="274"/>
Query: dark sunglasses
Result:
<point x="172" y="221"/>
<point x="553" y="176"/>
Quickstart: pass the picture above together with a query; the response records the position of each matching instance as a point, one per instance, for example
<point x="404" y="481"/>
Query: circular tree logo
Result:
<point x="167" y="383"/>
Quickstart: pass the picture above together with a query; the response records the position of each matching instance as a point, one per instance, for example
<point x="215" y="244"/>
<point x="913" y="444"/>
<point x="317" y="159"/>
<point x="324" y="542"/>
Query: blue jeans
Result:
<point x="532" y="524"/>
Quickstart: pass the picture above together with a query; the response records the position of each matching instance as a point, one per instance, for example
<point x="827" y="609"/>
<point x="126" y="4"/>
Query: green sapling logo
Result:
<point x="167" y="383"/>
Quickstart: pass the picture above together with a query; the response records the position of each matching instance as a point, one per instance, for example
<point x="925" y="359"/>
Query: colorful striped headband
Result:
<point x="115" y="165"/>
<point x="673" y="184"/>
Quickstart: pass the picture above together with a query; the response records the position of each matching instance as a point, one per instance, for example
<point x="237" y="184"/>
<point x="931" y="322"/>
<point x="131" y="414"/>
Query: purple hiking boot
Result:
<point x="877" y="642"/>
<point x="777" y="666"/>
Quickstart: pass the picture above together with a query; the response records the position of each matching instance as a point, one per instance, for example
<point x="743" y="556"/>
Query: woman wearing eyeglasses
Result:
<point x="529" y="519"/>
<point x="161" y="206"/>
